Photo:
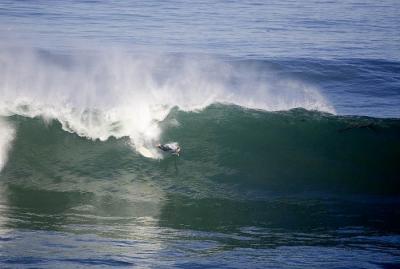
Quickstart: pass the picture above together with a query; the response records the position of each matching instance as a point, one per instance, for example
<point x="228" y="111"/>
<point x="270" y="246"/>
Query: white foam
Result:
<point x="7" y="133"/>
<point x="119" y="94"/>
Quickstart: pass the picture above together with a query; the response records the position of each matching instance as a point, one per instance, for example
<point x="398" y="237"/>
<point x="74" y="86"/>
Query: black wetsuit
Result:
<point x="164" y="148"/>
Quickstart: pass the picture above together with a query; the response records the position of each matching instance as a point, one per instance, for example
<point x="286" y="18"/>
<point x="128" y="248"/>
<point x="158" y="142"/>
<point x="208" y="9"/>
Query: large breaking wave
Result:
<point x="227" y="150"/>
<point x="98" y="95"/>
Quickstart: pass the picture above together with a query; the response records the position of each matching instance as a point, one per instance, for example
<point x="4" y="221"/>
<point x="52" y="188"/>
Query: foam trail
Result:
<point x="113" y="93"/>
<point x="7" y="132"/>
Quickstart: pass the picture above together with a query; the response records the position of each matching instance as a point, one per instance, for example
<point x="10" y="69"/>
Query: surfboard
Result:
<point x="145" y="152"/>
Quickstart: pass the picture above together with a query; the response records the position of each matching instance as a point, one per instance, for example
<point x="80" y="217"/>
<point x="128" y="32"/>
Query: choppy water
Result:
<point x="287" y="114"/>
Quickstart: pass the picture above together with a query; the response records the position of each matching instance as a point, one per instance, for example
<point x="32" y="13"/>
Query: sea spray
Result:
<point x="114" y="93"/>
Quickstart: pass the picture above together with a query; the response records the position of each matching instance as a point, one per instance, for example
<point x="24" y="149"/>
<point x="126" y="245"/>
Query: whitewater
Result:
<point x="117" y="94"/>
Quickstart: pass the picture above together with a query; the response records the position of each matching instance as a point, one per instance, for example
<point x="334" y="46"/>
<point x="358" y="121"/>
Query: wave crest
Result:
<point x="98" y="95"/>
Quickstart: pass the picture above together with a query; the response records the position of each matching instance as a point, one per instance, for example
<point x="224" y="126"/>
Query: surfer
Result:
<point x="172" y="148"/>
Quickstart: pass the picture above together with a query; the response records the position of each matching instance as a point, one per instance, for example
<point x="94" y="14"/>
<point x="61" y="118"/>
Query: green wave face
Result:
<point x="241" y="173"/>
<point x="227" y="151"/>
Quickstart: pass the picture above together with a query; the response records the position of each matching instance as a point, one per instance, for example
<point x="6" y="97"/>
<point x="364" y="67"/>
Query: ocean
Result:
<point x="287" y="114"/>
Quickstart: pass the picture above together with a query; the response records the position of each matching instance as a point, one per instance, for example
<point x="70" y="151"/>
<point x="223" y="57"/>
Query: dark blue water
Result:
<point x="312" y="29"/>
<point x="287" y="113"/>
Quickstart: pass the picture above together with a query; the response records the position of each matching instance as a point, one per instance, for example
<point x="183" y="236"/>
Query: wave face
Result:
<point x="227" y="151"/>
<point x="99" y="95"/>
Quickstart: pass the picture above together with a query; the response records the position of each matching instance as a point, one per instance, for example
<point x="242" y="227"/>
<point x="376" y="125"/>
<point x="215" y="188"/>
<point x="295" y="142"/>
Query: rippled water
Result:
<point x="316" y="29"/>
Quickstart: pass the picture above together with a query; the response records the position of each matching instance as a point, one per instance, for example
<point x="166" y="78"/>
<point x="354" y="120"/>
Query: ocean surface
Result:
<point x="287" y="113"/>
